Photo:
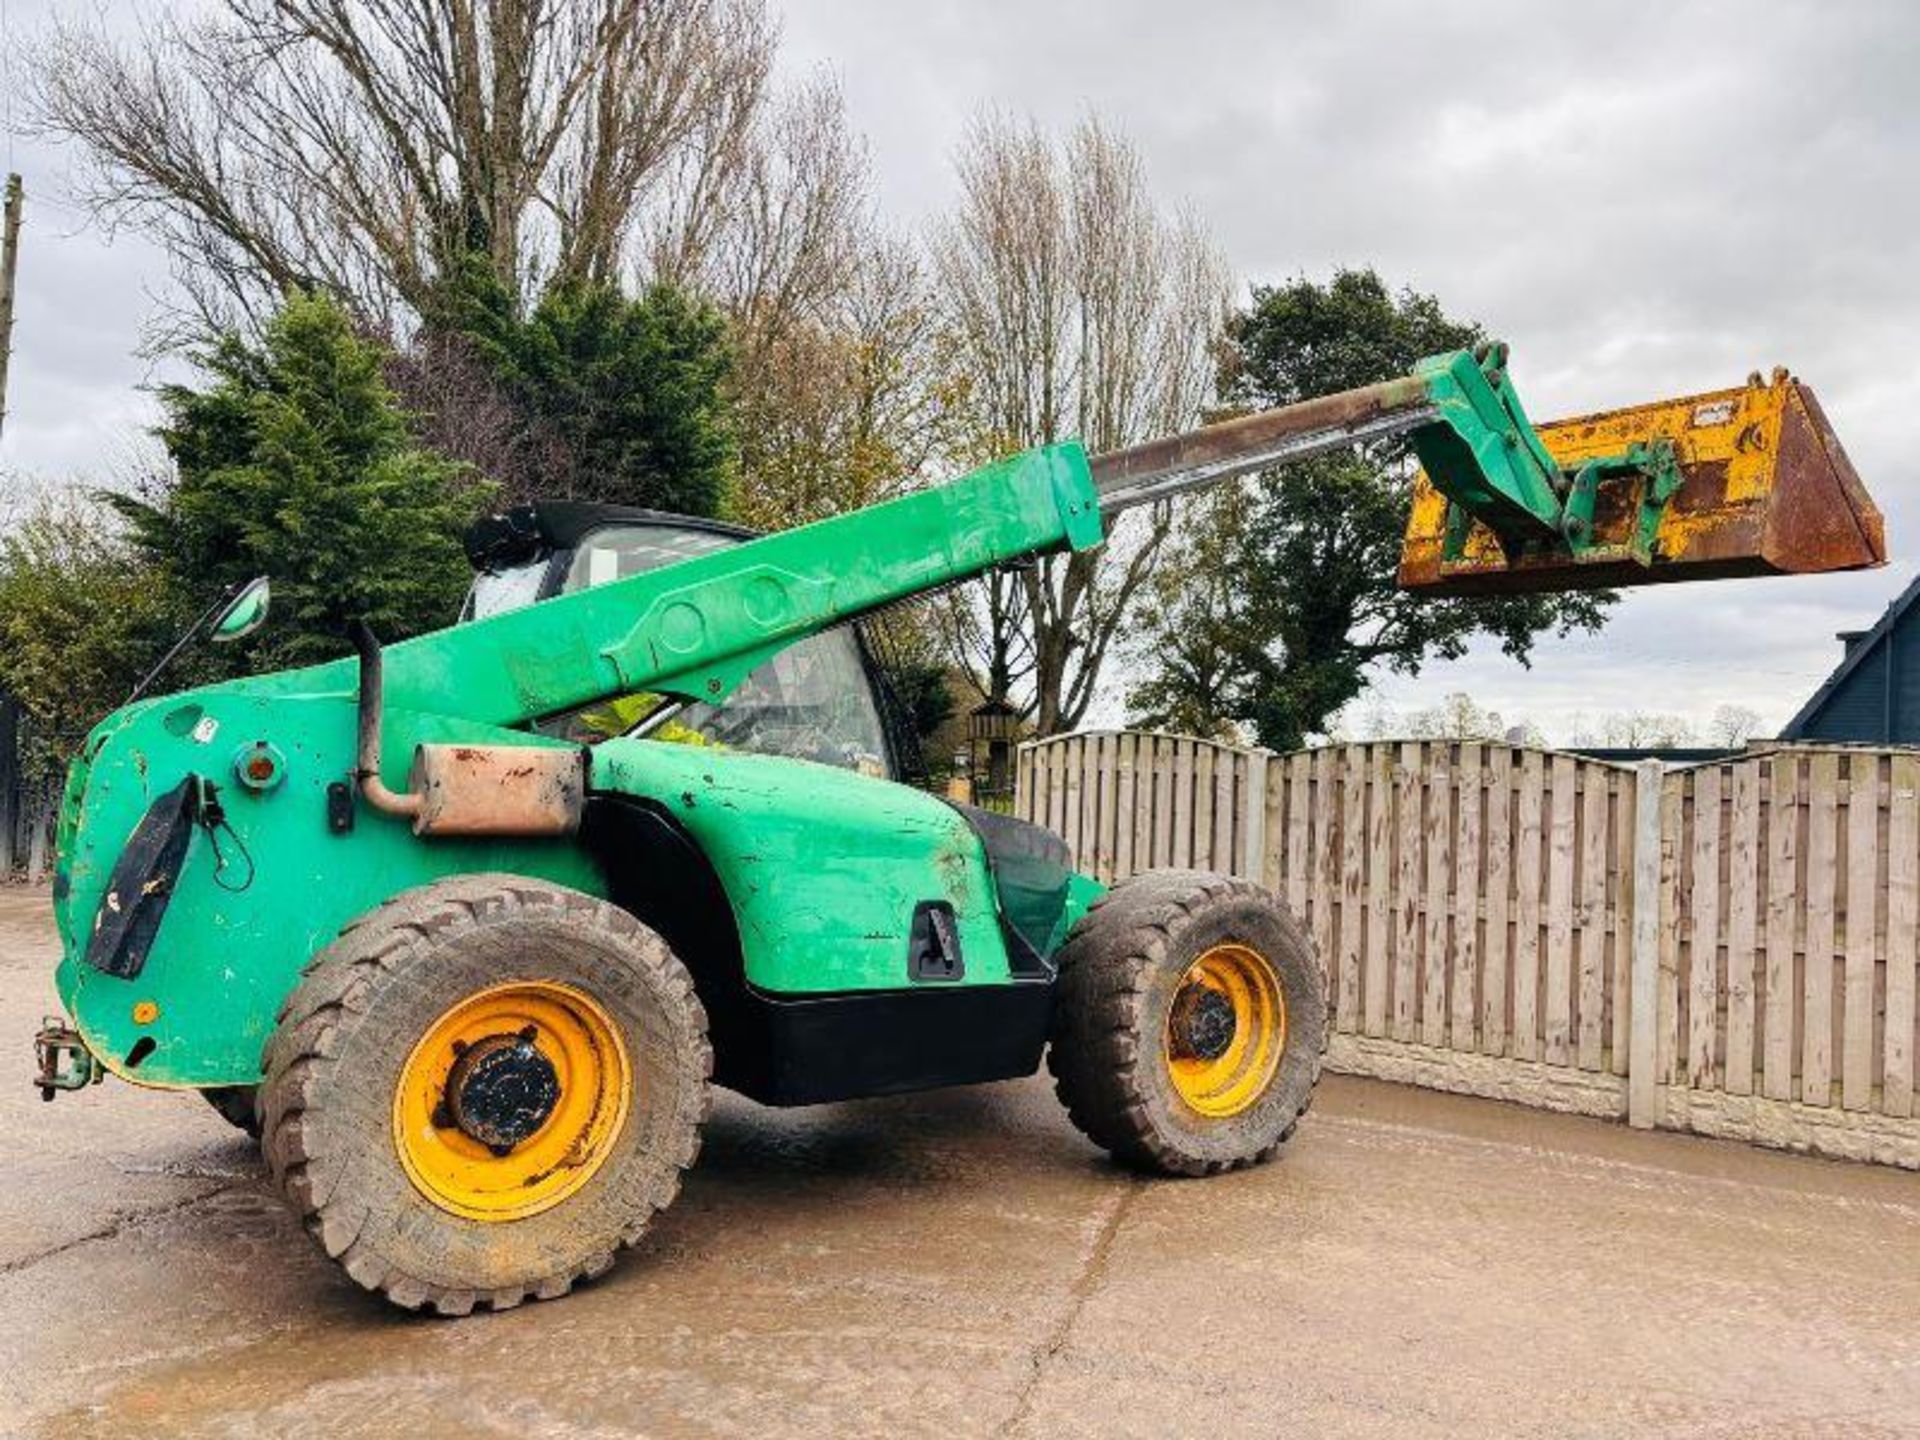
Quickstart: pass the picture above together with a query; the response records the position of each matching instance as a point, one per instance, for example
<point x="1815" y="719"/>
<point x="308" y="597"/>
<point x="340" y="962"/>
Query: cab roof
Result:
<point x="542" y="527"/>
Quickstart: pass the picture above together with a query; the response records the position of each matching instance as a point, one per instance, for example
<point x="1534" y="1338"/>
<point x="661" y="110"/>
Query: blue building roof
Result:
<point x="1873" y="696"/>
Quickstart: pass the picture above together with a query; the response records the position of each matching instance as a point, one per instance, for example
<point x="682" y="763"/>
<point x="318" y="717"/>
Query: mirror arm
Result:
<point x="181" y="644"/>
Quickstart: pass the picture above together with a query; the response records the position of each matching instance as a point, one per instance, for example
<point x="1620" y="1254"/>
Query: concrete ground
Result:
<point x="964" y="1264"/>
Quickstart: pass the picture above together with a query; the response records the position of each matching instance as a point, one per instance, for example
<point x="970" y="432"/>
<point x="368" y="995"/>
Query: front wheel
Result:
<point x="483" y="1089"/>
<point x="1189" y="1023"/>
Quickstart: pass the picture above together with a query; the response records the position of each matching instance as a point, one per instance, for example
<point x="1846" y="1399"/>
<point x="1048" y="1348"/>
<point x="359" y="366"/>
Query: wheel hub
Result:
<point x="512" y="1100"/>
<point x="1203" y="1023"/>
<point x="502" y="1090"/>
<point x="1226" y="1031"/>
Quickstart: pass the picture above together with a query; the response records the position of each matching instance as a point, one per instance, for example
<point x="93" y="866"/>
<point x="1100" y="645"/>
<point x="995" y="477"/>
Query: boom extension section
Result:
<point x="1161" y="469"/>
<point x="1463" y="420"/>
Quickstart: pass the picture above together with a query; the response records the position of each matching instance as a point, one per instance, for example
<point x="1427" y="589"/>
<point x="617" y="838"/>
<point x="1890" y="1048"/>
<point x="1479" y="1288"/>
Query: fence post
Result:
<point x="1254" y="806"/>
<point x="1643" y="1094"/>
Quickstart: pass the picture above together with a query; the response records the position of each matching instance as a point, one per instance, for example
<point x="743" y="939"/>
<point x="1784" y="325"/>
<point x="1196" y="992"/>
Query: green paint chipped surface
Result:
<point x="823" y="866"/>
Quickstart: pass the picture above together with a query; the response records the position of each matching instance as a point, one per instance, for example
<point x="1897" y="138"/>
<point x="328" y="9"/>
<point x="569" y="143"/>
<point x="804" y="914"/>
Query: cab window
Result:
<point x="813" y="701"/>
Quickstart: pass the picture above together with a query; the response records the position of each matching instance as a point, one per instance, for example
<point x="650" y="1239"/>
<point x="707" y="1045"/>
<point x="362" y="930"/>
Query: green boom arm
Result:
<point x="696" y="629"/>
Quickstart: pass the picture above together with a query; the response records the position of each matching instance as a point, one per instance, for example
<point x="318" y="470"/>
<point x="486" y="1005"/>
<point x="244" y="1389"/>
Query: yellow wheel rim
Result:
<point x="1226" y="1031"/>
<point x="512" y="1100"/>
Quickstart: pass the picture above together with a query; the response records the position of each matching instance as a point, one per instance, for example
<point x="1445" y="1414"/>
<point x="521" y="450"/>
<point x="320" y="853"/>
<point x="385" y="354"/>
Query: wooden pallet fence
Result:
<point x="1728" y="948"/>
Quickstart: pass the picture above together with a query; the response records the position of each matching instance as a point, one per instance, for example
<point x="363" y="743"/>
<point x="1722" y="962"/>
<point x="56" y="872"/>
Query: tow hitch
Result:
<point x="62" y="1060"/>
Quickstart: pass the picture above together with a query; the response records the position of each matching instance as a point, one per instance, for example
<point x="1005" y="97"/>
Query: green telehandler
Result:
<point x="466" y="927"/>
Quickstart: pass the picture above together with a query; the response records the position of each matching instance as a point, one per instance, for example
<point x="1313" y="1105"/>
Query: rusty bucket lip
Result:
<point x="1762" y="535"/>
<point x="1869" y="522"/>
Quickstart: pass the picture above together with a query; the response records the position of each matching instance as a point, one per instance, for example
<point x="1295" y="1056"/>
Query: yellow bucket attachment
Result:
<point x="1765" y="489"/>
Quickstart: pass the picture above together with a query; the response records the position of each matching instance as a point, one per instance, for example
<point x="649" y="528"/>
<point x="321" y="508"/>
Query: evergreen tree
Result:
<point x="294" y="461"/>
<point x="609" y="397"/>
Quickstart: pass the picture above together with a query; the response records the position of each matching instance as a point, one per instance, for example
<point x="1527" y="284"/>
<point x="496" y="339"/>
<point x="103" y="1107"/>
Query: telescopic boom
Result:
<point x="1161" y="469"/>
<point x="1750" y="481"/>
<point x="1676" y="490"/>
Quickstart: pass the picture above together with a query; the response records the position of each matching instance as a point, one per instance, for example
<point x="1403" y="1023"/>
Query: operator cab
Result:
<point x="821" y="699"/>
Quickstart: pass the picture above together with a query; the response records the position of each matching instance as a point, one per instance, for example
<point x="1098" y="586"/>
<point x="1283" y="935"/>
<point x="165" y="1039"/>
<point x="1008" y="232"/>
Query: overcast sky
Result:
<point x="1643" y="198"/>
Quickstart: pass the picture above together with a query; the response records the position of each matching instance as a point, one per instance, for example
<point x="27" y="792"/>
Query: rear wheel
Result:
<point x="1190" y="1023"/>
<point x="483" y="1089"/>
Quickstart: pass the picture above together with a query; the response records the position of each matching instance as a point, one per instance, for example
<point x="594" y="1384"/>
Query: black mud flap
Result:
<point x="1031" y="868"/>
<point x="142" y="883"/>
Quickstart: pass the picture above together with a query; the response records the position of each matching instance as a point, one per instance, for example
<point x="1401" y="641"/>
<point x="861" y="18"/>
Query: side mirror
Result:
<point x="244" y="614"/>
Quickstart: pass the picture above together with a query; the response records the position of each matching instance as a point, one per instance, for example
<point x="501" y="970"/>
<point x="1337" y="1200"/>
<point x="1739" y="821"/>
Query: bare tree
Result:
<point x="1733" y="726"/>
<point x="839" y="408"/>
<point x="773" y="223"/>
<point x="1075" y="309"/>
<point x="1636" y="730"/>
<point x="834" y="387"/>
<point x="1458" y="717"/>
<point x="363" y="145"/>
<point x="369" y="146"/>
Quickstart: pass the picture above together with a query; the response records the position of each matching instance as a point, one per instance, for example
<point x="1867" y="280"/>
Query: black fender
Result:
<point x="804" y="1049"/>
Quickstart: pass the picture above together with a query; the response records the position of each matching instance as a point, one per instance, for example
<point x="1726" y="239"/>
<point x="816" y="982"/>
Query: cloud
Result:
<point x="1644" y="198"/>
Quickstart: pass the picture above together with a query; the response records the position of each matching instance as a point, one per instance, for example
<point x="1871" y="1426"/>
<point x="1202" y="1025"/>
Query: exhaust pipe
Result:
<point x="367" y="755"/>
<point x="524" y="790"/>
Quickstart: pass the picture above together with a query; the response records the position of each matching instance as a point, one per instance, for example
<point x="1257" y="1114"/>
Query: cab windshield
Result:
<point x="813" y="701"/>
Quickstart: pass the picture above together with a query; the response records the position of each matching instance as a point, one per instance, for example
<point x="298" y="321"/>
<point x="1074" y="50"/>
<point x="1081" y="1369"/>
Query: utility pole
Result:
<point x="9" y="259"/>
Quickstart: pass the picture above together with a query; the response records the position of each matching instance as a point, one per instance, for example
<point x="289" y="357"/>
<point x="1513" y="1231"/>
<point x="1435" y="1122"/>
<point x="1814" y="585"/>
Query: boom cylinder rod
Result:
<point x="1159" y="469"/>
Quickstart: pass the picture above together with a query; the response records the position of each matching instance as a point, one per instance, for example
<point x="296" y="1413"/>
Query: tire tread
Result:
<point x="339" y="983"/>
<point x="1097" y="1051"/>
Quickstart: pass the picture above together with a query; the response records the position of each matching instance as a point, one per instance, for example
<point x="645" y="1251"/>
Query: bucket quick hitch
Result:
<point x="1494" y="469"/>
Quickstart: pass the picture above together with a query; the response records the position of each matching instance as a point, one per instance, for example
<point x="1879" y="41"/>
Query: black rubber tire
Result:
<point x="236" y="1106"/>
<point x="333" y="1062"/>
<point x="1119" y="971"/>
